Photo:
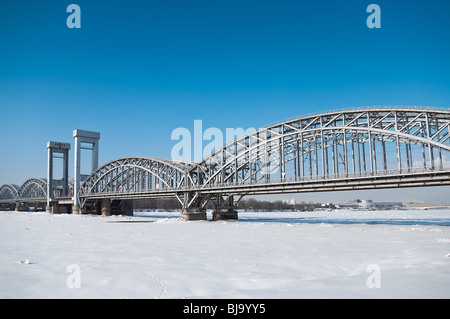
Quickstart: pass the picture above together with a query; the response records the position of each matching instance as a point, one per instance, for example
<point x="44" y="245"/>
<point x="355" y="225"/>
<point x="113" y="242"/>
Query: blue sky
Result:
<point x="136" y="70"/>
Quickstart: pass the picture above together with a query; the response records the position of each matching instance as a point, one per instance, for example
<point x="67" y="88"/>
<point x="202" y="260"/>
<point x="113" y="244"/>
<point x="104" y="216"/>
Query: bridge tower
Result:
<point x="81" y="139"/>
<point x="63" y="185"/>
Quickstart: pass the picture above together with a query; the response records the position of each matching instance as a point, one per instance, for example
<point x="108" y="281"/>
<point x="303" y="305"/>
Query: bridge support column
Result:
<point x="188" y="215"/>
<point x="50" y="208"/>
<point x="81" y="138"/>
<point x="126" y="208"/>
<point x="57" y="209"/>
<point x="57" y="148"/>
<point x="223" y="215"/>
<point x="225" y="207"/>
<point x="105" y="207"/>
<point x="194" y="207"/>
<point x="121" y="207"/>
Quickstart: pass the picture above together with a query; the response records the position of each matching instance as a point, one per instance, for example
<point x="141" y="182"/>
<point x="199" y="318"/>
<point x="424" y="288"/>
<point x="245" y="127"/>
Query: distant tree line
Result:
<point x="250" y="204"/>
<point x="256" y="205"/>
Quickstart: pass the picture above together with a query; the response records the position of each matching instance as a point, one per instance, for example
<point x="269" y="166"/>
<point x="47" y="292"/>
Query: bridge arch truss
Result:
<point x="137" y="177"/>
<point x="9" y="192"/>
<point x="334" y="145"/>
<point x="34" y="188"/>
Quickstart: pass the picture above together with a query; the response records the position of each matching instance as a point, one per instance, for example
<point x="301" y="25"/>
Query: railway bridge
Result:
<point x="353" y="149"/>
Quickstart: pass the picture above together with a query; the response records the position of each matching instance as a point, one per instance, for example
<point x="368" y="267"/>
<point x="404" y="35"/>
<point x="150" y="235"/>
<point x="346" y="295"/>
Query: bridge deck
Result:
<point x="313" y="184"/>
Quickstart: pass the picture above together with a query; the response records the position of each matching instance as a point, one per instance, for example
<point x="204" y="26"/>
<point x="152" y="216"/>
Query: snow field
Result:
<point x="157" y="255"/>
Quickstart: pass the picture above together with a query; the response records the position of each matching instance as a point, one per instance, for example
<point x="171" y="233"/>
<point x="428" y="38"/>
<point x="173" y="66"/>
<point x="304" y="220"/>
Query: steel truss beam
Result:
<point x="349" y="142"/>
<point x="133" y="175"/>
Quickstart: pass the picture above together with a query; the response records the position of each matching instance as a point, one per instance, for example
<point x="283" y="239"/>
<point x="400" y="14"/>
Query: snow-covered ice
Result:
<point x="263" y="255"/>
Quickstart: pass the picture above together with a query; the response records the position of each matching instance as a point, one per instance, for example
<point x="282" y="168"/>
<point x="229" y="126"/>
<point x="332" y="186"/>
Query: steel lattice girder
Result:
<point x="135" y="174"/>
<point x="322" y="146"/>
<point x="34" y="188"/>
<point x="9" y="191"/>
<point x="327" y="144"/>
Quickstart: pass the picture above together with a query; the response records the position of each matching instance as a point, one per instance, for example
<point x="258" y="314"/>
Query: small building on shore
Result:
<point x="371" y="205"/>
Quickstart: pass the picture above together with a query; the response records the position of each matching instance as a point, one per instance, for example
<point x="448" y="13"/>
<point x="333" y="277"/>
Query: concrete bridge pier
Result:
<point x="105" y="207"/>
<point x="122" y="207"/>
<point x="189" y="215"/>
<point x="109" y="207"/>
<point x="76" y="209"/>
<point x="225" y="207"/>
<point x="58" y="209"/>
<point x="224" y="215"/>
<point x="194" y="207"/>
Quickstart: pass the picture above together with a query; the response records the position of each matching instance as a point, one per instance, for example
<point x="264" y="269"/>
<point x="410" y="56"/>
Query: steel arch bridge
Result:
<point x="9" y="192"/>
<point x="340" y="150"/>
<point x="364" y="148"/>
<point x="34" y="190"/>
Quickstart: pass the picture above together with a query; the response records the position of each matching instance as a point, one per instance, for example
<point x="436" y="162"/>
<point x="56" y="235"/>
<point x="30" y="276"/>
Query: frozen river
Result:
<point x="337" y="254"/>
